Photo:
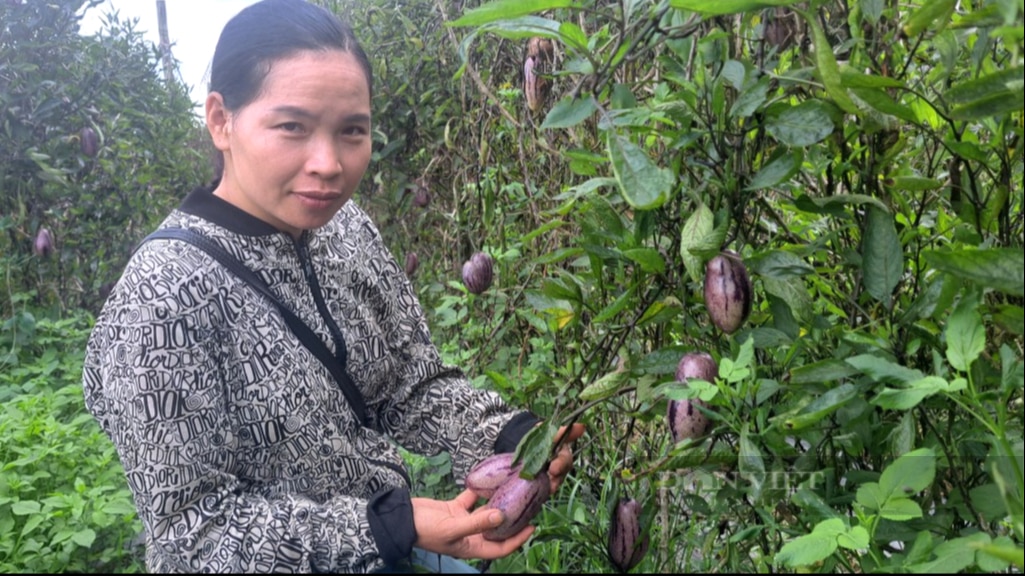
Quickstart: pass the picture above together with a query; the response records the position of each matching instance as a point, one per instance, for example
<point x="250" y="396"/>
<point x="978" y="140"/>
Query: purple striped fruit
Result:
<point x="478" y="272"/>
<point x="412" y="263"/>
<point x="628" y="542"/>
<point x="520" y="500"/>
<point x="685" y="420"/>
<point x="491" y="473"/>
<point x="88" y="142"/>
<point x="43" y="244"/>
<point x="728" y="291"/>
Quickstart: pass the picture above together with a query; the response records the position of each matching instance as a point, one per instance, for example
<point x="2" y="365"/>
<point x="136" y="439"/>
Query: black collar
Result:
<point x="201" y="202"/>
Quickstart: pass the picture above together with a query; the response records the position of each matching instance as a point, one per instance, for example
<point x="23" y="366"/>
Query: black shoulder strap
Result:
<point x="305" y="334"/>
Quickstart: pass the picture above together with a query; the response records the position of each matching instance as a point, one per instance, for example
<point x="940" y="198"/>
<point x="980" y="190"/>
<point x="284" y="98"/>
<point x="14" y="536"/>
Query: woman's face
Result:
<point x="295" y="154"/>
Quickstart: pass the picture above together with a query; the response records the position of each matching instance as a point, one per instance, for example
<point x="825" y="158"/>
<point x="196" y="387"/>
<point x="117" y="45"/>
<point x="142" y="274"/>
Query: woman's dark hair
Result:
<point x="271" y="30"/>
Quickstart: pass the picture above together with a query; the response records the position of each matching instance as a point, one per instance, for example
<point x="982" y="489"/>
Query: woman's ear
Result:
<point x="218" y="120"/>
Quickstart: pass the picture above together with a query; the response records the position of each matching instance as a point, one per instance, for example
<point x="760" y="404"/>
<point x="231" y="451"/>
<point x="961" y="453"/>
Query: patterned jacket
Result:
<point x="240" y="449"/>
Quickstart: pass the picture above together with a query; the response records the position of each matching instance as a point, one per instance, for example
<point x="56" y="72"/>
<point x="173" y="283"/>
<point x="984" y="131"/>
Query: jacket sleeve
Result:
<point x="161" y="396"/>
<point x="429" y="406"/>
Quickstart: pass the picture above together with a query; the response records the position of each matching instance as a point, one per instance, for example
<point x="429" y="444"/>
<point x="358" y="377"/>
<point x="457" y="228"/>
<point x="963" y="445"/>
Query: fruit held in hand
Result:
<point x="43" y="244"/>
<point x="685" y="420"/>
<point x="728" y="291"/>
<point x="628" y="543"/>
<point x="520" y="500"/>
<point x="491" y="473"/>
<point x="478" y="272"/>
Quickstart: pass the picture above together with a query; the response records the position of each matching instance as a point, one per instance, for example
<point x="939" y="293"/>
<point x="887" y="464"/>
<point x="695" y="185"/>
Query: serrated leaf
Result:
<point x="1002" y="269"/>
<point x="882" y="256"/>
<point x="643" y="185"/>
<point x="569" y="112"/>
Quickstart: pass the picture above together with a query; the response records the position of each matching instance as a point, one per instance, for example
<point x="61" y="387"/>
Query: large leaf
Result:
<point x="1002" y="269"/>
<point x="883" y="370"/>
<point x="909" y="474"/>
<point x="821" y="407"/>
<point x="697" y="227"/>
<point x="507" y="9"/>
<point x="778" y="170"/>
<point x="644" y="185"/>
<point x="984" y="86"/>
<point x="569" y="112"/>
<point x="779" y="264"/>
<point x="802" y="125"/>
<point x="882" y="257"/>
<point x="966" y="337"/>
<point x="930" y="11"/>
<point x="828" y="69"/>
<point x="720" y="7"/>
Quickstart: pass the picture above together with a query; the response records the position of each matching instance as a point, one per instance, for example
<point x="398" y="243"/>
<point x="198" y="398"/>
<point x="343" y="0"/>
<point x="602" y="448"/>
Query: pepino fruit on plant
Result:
<point x="412" y="263"/>
<point x="685" y="420"/>
<point x="43" y="244"/>
<point x="728" y="291"/>
<point x="88" y="142"/>
<point x="628" y="541"/>
<point x="478" y="273"/>
<point x="491" y="473"/>
<point x="520" y="500"/>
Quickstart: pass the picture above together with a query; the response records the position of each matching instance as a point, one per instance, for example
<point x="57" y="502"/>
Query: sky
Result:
<point x="193" y="26"/>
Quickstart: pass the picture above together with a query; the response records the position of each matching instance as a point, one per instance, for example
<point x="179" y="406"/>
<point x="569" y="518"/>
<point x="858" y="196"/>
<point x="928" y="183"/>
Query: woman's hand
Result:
<point x="561" y="465"/>
<point x="454" y="528"/>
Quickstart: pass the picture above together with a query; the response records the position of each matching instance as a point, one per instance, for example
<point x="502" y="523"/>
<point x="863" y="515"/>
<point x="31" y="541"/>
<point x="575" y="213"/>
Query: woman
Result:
<point x="242" y="451"/>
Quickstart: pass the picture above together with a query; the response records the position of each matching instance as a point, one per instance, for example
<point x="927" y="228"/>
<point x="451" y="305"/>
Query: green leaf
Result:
<point x="984" y="86"/>
<point x="883" y="370"/>
<point x="913" y="183"/>
<point x="993" y="106"/>
<point x="1012" y="369"/>
<point x="878" y="99"/>
<point x="721" y="7"/>
<point x="569" y="112"/>
<point x="855" y="199"/>
<point x="644" y="185"/>
<point x="900" y="509"/>
<point x="870" y="496"/>
<point x="952" y="556"/>
<point x="697" y="227"/>
<point x="25" y="507"/>
<point x="1002" y="269"/>
<point x="84" y="538"/>
<point x="822" y="371"/>
<point x="908" y="398"/>
<point x="909" y="474"/>
<point x="751" y="463"/>
<point x="780" y="169"/>
<point x="966" y="337"/>
<point x="821" y="407"/>
<point x="535" y="447"/>
<point x="882" y="256"/>
<point x="751" y="99"/>
<point x="930" y="11"/>
<point x="828" y="69"/>
<point x="507" y="9"/>
<point x="1006" y="553"/>
<point x="625" y="299"/>
<point x="854" y="539"/>
<point x="803" y="125"/>
<point x="650" y="260"/>
<point x="852" y="78"/>
<point x="779" y="264"/>
<point x="806" y="550"/>
<point x="793" y="291"/>
<point x="604" y="387"/>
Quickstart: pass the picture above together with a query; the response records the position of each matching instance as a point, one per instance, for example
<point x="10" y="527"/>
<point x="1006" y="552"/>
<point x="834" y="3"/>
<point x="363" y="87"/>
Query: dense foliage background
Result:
<point x="863" y="157"/>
